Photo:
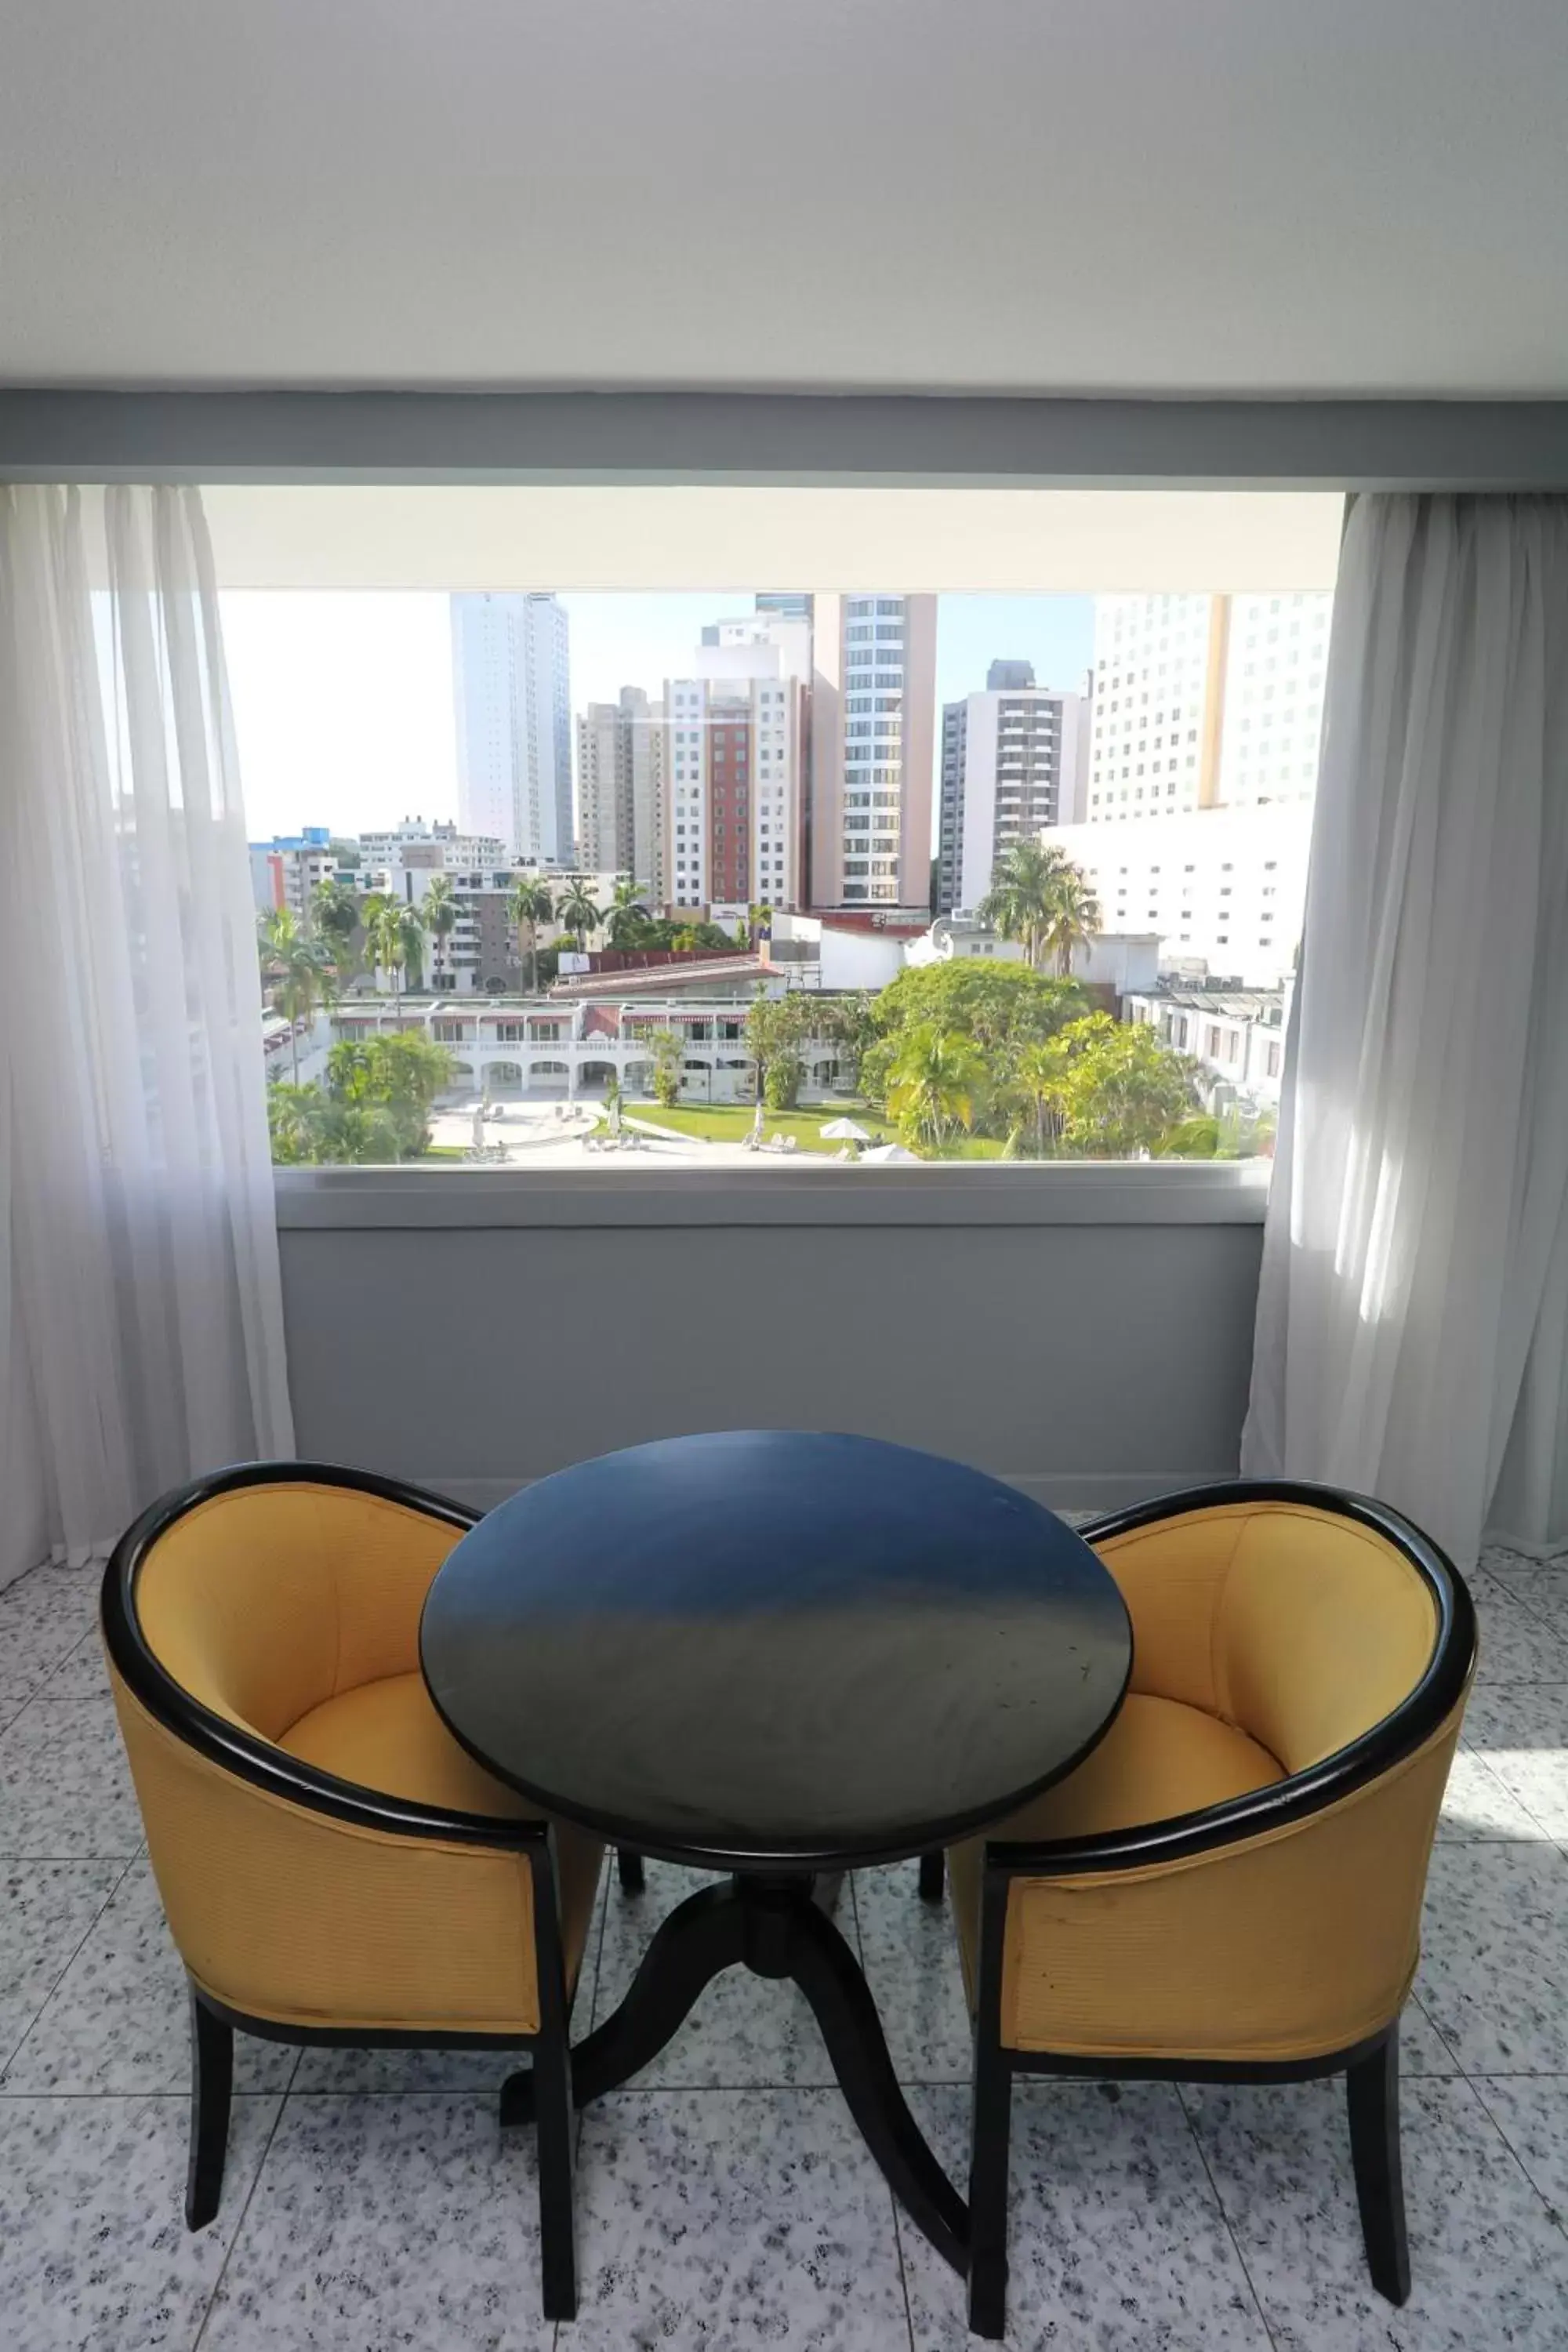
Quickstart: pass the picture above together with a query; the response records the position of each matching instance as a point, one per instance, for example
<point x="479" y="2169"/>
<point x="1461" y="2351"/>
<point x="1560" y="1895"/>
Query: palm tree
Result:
<point x="1037" y="1086"/>
<point x="934" y="1085"/>
<point x="1023" y="894"/>
<point x="298" y="971"/>
<point x="1074" y="917"/>
<point x="577" y="908"/>
<point x="334" y="918"/>
<point x="438" y="912"/>
<point x="627" y="915"/>
<point x="394" y="935"/>
<point x="531" y="905"/>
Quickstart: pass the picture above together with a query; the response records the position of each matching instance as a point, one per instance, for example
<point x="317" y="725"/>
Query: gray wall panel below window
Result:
<point x="1091" y="1363"/>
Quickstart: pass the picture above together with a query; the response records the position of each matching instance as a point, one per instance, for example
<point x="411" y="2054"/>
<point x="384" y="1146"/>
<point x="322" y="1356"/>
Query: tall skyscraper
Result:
<point x="873" y="713"/>
<point x="1013" y="759"/>
<point x="620" y="763"/>
<point x="1205" y="703"/>
<point x="511" y="693"/>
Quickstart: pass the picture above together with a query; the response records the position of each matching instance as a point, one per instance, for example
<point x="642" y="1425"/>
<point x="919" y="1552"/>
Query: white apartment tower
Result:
<point x="1205" y="703"/>
<point x="873" y="709"/>
<point x="733" y="801"/>
<point x="511" y="697"/>
<point x="735" y="761"/>
<point x="1207" y="712"/>
<point x="1013" y="760"/>
<point x="620" y="771"/>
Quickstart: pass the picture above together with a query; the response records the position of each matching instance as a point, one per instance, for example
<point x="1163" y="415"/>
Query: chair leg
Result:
<point x="1372" y="2094"/>
<point x="989" y="2126"/>
<point x="932" y="1875"/>
<point x="628" y="1862"/>
<point x="555" y="2125"/>
<point x="212" y="2081"/>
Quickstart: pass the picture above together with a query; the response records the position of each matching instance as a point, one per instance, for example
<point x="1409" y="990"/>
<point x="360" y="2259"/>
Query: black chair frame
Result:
<point x="213" y="2025"/>
<point x="1370" y="2068"/>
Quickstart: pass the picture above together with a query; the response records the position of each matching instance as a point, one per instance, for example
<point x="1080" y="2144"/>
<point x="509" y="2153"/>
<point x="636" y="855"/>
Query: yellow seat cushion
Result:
<point x="386" y="1735"/>
<point x="1159" y="1758"/>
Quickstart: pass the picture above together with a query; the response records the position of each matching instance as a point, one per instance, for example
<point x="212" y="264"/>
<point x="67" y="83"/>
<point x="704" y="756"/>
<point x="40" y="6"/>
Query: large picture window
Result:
<point x="554" y="876"/>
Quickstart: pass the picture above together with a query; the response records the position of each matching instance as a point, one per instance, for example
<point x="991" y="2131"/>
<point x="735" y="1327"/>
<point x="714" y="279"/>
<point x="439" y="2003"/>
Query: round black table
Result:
<point x="779" y="1656"/>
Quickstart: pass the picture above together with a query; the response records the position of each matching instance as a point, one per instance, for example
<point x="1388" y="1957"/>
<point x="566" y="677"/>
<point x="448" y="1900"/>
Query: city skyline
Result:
<point x="361" y="731"/>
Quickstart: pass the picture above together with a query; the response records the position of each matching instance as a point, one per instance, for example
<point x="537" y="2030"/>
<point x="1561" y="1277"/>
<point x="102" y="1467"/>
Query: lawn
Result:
<point x="731" y="1123"/>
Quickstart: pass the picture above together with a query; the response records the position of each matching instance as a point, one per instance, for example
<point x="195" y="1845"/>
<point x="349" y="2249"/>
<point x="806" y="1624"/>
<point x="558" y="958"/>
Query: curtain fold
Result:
<point x="141" y="1312"/>
<point x="1412" y="1337"/>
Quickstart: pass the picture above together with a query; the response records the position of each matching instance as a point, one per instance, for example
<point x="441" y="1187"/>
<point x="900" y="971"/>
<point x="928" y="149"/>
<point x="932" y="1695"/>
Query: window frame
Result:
<point x="798" y="439"/>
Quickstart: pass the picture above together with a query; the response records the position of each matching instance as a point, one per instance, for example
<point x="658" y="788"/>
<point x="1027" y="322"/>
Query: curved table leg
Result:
<point x="775" y="1925"/>
<point x="701" y="1938"/>
<point x="828" y="1974"/>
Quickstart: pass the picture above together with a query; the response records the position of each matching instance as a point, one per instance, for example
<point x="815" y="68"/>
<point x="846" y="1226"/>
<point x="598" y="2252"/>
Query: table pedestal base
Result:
<point x="774" y="1925"/>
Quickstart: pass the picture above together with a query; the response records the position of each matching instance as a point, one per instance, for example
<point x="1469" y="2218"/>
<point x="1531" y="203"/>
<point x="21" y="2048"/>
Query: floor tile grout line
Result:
<point x="244" y="2216"/>
<point x="1220" y="2208"/>
<point x="1415" y="2001"/>
<point x="1553" y="2213"/>
<point x="903" y="2273"/>
<point x="14" y="2052"/>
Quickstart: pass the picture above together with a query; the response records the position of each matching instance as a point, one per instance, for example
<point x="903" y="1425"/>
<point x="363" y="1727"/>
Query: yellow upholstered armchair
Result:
<point x="1229" y="1887"/>
<point x="335" y="1868"/>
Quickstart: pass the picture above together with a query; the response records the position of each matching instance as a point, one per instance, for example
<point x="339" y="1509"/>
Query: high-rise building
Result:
<point x="1204" y="702"/>
<point x="1277" y="655"/>
<point x="732" y="800"/>
<point x="873" y="711"/>
<point x="512" y="695"/>
<point x="620" y="766"/>
<point x="734" y="750"/>
<point x="1013" y="759"/>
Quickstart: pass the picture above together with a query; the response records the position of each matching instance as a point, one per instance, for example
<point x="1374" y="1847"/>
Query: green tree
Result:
<point x="395" y="940"/>
<point x="438" y="913"/>
<point x="529" y="905"/>
<point x="667" y="1057"/>
<point x="1002" y="1008"/>
<point x="293" y="1119"/>
<point x="1038" y="896"/>
<point x="1112" y="1090"/>
<point x="777" y="1028"/>
<point x="849" y="1023"/>
<point x="334" y="918"/>
<point x="1074" y="919"/>
<point x="577" y="908"/>
<point x="298" y="971"/>
<point x="395" y="1078"/>
<point x="626" y="921"/>
<point x="934" y="1085"/>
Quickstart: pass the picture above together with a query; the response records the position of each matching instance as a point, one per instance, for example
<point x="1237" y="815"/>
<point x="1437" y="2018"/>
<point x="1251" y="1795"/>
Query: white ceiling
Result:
<point x="1143" y="196"/>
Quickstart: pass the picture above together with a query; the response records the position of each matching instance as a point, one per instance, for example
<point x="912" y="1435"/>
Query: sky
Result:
<point x="343" y="701"/>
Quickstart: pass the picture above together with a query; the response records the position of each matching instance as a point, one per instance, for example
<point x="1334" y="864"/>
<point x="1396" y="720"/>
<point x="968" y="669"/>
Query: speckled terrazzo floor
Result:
<point x="727" y="2202"/>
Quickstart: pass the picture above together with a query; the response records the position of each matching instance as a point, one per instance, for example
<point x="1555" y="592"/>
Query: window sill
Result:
<point x="1090" y="1193"/>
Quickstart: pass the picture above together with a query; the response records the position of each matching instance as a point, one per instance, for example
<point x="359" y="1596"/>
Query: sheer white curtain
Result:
<point x="141" y="1319"/>
<point x="1413" y="1318"/>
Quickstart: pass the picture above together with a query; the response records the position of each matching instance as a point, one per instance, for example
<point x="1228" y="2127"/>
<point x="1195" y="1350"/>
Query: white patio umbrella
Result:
<point x="843" y="1130"/>
<point x="887" y="1155"/>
